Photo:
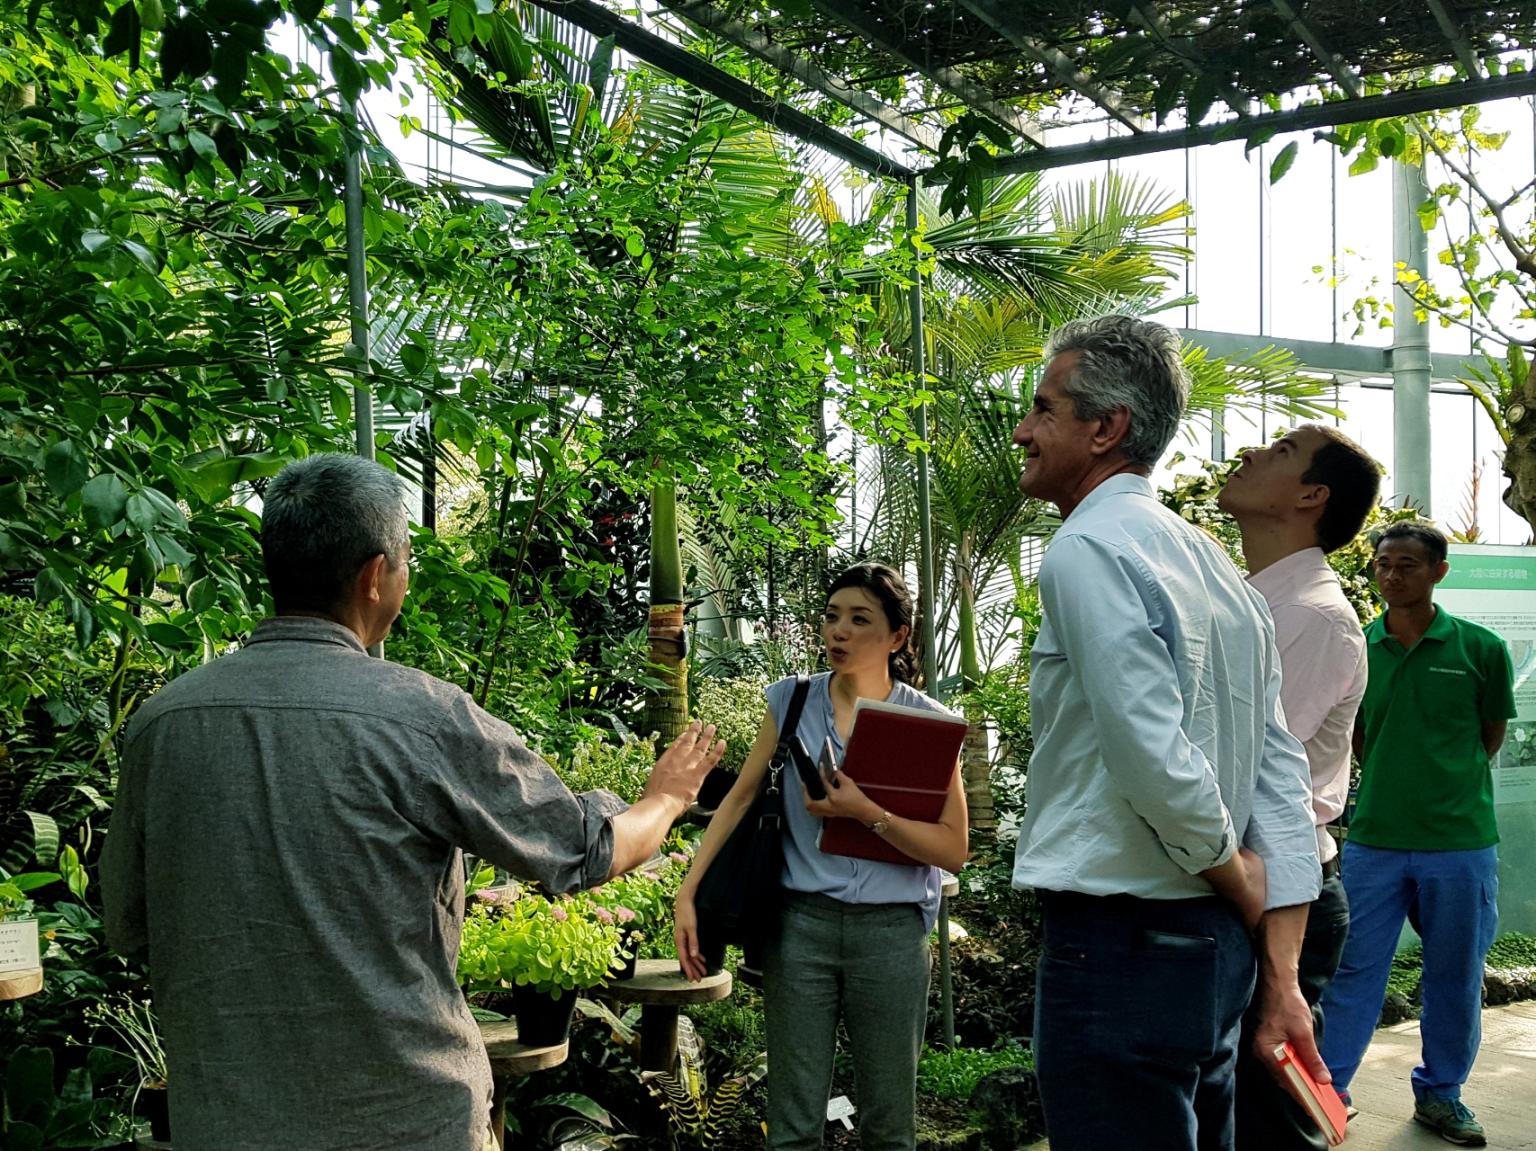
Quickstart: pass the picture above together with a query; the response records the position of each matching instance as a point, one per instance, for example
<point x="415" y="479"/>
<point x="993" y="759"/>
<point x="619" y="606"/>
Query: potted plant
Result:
<point x="133" y="1023"/>
<point x="637" y="905"/>
<point x="545" y="951"/>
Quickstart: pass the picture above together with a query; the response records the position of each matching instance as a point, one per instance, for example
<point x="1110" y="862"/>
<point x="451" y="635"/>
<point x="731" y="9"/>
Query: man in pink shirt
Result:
<point x="1306" y="495"/>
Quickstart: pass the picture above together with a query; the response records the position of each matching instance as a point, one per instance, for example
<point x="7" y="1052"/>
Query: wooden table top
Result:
<point x="661" y="982"/>
<point x="510" y="1057"/>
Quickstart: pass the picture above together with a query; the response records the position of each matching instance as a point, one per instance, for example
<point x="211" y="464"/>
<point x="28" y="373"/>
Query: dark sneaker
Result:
<point x="1451" y="1120"/>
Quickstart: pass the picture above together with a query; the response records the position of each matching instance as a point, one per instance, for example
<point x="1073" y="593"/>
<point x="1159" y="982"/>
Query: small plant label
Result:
<point x="839" y="1110"/>
<point x="19" y="945"/>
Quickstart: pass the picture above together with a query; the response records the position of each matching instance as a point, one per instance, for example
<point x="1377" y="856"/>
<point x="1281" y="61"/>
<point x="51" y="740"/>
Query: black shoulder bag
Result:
<point x="739" y="897"/>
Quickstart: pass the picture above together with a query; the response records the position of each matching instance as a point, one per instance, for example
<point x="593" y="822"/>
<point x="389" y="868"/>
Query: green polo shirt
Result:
<point x="1425" y="782"/>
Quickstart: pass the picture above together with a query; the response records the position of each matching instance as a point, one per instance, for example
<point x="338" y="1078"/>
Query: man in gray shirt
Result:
<point x="286" y="844"/>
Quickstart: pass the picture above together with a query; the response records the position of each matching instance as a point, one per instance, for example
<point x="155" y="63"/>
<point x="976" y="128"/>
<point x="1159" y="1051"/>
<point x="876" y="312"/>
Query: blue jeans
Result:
<point x="1136" y="1021"/>
<point x="1456" y="893"/>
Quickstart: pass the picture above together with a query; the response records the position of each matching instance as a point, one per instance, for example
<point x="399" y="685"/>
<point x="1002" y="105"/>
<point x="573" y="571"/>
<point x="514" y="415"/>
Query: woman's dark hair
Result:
<point x="887" y="586"/>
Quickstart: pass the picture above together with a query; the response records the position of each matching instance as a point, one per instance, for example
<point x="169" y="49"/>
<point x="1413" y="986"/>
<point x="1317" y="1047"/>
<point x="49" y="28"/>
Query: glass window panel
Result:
<point x="1298" y="225"/>
<point x="1226" y="219"/>
<point x="1365" y="249"/>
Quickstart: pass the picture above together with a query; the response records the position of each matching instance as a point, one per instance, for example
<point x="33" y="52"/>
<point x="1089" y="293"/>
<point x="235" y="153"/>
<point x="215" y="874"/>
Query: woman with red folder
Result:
<point x="853" y="937"/>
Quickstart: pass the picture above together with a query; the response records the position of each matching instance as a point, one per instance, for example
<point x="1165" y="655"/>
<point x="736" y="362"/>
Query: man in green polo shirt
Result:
<point x="1439" y="696"/>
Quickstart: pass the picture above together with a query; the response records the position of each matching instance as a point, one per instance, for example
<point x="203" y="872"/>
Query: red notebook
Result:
<point x="1320" y="1100"/>
<point x="904" y="759"/>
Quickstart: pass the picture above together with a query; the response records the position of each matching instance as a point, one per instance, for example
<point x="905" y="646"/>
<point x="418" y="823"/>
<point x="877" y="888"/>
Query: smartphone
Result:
<point x="806" y="766"/>
<point x="828" y="763"/>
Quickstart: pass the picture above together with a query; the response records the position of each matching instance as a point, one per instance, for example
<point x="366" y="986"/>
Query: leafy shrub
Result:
<point x="1407" y="969"/>
<point x="735" y="706"/>
<point x="1512" y="950"/>
<point x="954" y="1074"/>
<point x="621" y="769"/>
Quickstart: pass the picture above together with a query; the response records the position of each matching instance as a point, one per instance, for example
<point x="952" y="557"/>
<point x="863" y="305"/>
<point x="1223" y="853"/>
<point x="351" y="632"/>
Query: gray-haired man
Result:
<point x="286" y="844"/>
<point x="1159" y="751"/>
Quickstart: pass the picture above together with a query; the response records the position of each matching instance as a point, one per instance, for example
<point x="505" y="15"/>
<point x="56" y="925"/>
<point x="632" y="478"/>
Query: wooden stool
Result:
<point x="512" y="1060"/>
<point x="660" y="989"/>
<point x="19" y="984"/>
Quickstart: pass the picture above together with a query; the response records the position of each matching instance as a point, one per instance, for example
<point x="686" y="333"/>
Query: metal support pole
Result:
<point x="924" y="488"/>
<point x="1410" y="344"/>
<point x="357" y="280"/>
<point x="946" y="981"/>
<point x="925" y="591"/>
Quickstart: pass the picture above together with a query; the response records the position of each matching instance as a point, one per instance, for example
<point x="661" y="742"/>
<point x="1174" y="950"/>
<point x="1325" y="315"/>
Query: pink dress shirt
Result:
<point x="1322" y="659"/>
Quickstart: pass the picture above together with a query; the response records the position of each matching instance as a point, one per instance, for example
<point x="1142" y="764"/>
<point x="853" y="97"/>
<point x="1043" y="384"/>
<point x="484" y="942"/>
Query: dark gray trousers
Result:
<point x="868" y="965"/>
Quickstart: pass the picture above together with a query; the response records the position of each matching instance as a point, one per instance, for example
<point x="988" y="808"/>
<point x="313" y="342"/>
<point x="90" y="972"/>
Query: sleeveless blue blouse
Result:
<point x="806" y="867"/>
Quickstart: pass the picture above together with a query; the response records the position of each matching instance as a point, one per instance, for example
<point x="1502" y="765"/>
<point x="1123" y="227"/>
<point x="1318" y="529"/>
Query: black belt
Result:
<point x="1331" y="868"/>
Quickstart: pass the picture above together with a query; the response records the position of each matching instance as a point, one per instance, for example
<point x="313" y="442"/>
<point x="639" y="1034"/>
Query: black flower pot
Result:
<point x="544" y="1020"/>
<point x="152" y="1105"/>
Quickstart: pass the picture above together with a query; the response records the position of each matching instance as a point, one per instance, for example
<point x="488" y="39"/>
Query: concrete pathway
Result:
<point x="1502" y="1090"/>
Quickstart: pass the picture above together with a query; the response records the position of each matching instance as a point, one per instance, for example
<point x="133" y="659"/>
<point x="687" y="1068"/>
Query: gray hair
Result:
<point x="1124" y="362"/>
<point x="323" y="518"/>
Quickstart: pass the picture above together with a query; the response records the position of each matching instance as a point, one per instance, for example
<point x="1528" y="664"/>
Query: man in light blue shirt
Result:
<point x="1169" y="822"/>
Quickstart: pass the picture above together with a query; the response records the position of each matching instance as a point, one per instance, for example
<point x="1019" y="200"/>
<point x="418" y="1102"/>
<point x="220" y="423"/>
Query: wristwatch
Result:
<point x="881" y="825"/>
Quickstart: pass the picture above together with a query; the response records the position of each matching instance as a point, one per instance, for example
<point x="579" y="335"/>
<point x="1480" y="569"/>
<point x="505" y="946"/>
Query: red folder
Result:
<point x="904" y="759"/>
<point x="1320" y="1100"/>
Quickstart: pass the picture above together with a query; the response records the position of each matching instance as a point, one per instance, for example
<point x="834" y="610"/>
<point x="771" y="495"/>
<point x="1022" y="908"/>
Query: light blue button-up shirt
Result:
<point x="1160" y="744"/>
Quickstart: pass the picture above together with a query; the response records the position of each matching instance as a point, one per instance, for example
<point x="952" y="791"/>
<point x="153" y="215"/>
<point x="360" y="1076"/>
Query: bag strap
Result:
<point x="773" y="797"/>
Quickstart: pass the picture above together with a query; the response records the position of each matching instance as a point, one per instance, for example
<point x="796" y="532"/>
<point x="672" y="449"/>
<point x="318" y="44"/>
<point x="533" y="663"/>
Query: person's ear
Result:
<point x="1313" y="497"/>
<point x="903" y="633"/>
<point x="369" y="578"/>
<point x="1441" y="569"/>
<point x="1110" y="431"/>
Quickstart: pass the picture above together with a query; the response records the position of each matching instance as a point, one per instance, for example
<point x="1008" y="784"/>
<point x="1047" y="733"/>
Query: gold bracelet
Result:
<point x="881" y="825"/>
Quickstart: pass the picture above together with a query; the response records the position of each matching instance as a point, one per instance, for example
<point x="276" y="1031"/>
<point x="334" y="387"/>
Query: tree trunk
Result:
<point x="975" y="763"/>
<point x="666" y="708"/>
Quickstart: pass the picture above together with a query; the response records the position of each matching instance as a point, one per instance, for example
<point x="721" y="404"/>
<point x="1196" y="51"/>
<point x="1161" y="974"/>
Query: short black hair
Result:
<point x="1353" y="478"/>
<point x="1433" y="540"/>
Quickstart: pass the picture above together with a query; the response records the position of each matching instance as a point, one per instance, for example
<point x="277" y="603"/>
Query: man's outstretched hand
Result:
<point x="680" y="770"/>
<point x="673" y="785"/>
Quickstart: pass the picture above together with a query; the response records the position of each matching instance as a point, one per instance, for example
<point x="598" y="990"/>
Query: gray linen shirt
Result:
<point x="286" y="842"/>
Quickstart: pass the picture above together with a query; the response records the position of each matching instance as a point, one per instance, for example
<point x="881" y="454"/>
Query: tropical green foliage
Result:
<point x="954" y="1073"/>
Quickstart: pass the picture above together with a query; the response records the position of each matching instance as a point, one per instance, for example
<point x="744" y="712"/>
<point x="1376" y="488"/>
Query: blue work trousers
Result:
<point x="1453" y="898"/>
